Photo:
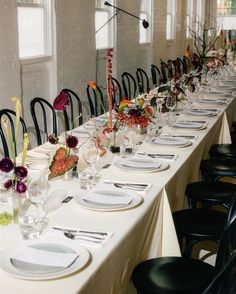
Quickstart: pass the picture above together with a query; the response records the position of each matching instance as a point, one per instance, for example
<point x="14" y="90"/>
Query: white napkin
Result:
<point x="43" y="257"/>
<point x="190" y="125"/>
<point x="140" y="163"/>
<point x="199" y="112"/>
<point x="112" y="198"/>
<point x="52" y="234"/>
<point x="165" y="140"/>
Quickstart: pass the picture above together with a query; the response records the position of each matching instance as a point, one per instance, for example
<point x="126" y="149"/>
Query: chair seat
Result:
<point x="210" y="193"/>
<point x="200" y="223"/>
<point x="172" y="275"/>
<point x="223" y="151"/>
<point x="216" y="168"/>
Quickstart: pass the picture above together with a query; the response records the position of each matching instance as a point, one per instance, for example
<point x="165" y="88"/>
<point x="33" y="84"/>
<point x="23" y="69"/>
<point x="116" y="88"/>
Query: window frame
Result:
<point x="46" y="5"/>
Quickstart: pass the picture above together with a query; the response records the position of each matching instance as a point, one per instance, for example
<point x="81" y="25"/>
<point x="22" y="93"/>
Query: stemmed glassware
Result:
<point x="91" y="156"/>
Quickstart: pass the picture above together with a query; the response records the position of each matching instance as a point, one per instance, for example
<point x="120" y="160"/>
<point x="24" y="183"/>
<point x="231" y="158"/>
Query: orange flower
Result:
<point x="187" y="52"/>
<point x="123" y="104"/>
<point x="92" y="85"/>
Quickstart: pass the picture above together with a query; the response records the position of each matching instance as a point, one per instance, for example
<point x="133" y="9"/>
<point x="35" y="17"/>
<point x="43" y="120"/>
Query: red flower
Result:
<point x="72" y="141"/>
<point x="53" y="139"/>
<point x="61" y="101"/>
<point x="9" y="184"/>
<point x="21" y="172"/>
<point x="92" y="85"/>
<point x="20" y="187"/>
<point x="6" y="165"/>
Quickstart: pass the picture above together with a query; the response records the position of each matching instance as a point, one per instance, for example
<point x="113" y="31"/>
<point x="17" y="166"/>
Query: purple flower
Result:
<point x="53" y="139"/>
<point x="61" y="101"/>
<point x="21" y="172"/>
<point x="20" y="187"/>
<point x="72" y="141"/>
<point x="6" y="165"/>
<point x="8" y="184"/>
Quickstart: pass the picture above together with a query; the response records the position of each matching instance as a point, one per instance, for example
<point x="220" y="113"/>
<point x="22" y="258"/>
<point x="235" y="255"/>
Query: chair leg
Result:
<point x="192" y="203"/>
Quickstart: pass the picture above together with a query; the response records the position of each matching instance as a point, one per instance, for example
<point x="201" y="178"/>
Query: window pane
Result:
<point x="31" y="32"/>
<point x="143" y="33"/>
<point x="102" y="36"/>
<point x="168" y="26"/>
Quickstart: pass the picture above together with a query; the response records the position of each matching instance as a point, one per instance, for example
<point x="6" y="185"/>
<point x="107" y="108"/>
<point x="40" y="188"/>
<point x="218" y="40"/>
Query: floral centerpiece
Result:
<point x="132" y="113"/>
<point x="18" y="178"/>
<point x="63" y="160"/>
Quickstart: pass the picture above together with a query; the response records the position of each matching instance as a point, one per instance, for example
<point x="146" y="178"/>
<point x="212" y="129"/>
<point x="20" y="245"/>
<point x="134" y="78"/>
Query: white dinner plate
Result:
<point x="144" y="165"/>
<point x="29" y="271"/>
<point x="213" y="101"/>
<point x="201" y="112"/>
<point x="188" y="125"/>
<point x="171" y="141"/>
<point x="90" y="202"/>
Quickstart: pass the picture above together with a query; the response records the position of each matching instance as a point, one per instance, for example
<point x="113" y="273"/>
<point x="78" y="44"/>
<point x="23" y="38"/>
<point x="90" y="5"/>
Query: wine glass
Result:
<point x="91" y="156"/>
<point x="171" y="103"/>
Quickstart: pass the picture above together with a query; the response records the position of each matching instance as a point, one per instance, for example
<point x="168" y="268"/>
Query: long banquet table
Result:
<point x="140" y="233"/>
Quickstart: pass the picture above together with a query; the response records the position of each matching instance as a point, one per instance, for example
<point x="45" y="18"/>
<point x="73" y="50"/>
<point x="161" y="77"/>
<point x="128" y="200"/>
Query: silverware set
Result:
<point x="83" y="235"/>
<point x="157" y="155"/>
<point x="131" y="186"/>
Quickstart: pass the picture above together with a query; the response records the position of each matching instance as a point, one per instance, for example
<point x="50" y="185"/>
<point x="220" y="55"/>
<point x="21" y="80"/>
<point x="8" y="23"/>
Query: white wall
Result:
<point x="74" y="56"/>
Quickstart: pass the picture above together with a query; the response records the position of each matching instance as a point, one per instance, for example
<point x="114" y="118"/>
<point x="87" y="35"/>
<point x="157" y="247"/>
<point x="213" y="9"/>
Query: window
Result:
<point x="34" y="27"/>
<point x="226" y="14"/>
<point x="189" y="18"/>
<point x="104" y="27"/>
<point x="145" y="13"/>
<point x="170" y="19"/>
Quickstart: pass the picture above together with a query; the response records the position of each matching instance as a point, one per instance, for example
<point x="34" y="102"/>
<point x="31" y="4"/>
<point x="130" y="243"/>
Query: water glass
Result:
<point x="30" y="222"/>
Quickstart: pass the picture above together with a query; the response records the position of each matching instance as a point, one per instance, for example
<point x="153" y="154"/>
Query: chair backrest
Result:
<point x="129" y="85"/>
<point x="96" y="100"/>
<point x="43" y="114"/>
<point x="185" y="65"/>
<point x="228" y="238"/>
<point x="156" y="75"/>
<point x="116" y="91"/>
<point x="10" y="115"/>
<point x="74" y="113"/>
<point x="143" y="81"/>
<point x="225" y="281"/>
<point x="164" y="72"/>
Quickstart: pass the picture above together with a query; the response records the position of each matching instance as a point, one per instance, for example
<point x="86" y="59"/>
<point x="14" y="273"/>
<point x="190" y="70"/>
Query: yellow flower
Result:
<point x="5" y="124"/>
<point x="18" y="113"/>
<point x="25" y="147"/>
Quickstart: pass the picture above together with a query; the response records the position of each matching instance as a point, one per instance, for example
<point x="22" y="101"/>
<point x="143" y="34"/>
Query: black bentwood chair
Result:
<point x="185" y="275"/>
<point x="129" y="85"/>
<point x="223" y="151"/>
<point x="43" y="115"/>
<point x="156" y="75"/>
<point x="96" y="100"/>
<point x="210" y="193"/>
<point x="215" y="169"/>
<point x="74" y="109"/>
<point x="10" y="116"/>
<point x="117" y="93"/>
<point x="143" y="81"/>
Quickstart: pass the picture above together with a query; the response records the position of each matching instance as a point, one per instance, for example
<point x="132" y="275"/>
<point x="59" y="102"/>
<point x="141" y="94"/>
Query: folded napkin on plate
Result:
<point x="110" y="198"/>
<point x="55" y="234"/>
<point x="169" y="140"/>
<point x="187" y="124"/>
<point x="140" y="163"/>
<point x="42" y="257"/>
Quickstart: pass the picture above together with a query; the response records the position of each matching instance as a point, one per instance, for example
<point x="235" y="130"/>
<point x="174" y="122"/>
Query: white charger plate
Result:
<point x="213" y="101"/>
<point x="28" y="271"/>
<point x="171" y="141"/>
<point x="136" y="200"/>
<point x="188" y="125"/>
<point x="200" y="112"/>
<point x="121" y="164"/>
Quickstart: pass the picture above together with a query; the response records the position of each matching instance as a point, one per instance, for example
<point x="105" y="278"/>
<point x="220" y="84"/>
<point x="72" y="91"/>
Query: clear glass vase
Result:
<point x="9" y="206"/>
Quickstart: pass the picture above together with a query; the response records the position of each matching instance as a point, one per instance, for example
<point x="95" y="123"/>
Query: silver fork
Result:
<point x="91" y="239"/>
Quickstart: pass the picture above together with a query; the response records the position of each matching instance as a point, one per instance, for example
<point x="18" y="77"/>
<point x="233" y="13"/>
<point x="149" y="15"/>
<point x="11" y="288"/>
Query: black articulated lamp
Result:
<point x="144" y="22"/>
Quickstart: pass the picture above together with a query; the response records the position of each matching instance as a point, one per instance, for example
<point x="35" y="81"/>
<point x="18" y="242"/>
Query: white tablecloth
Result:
<point x="140" y="233"/>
